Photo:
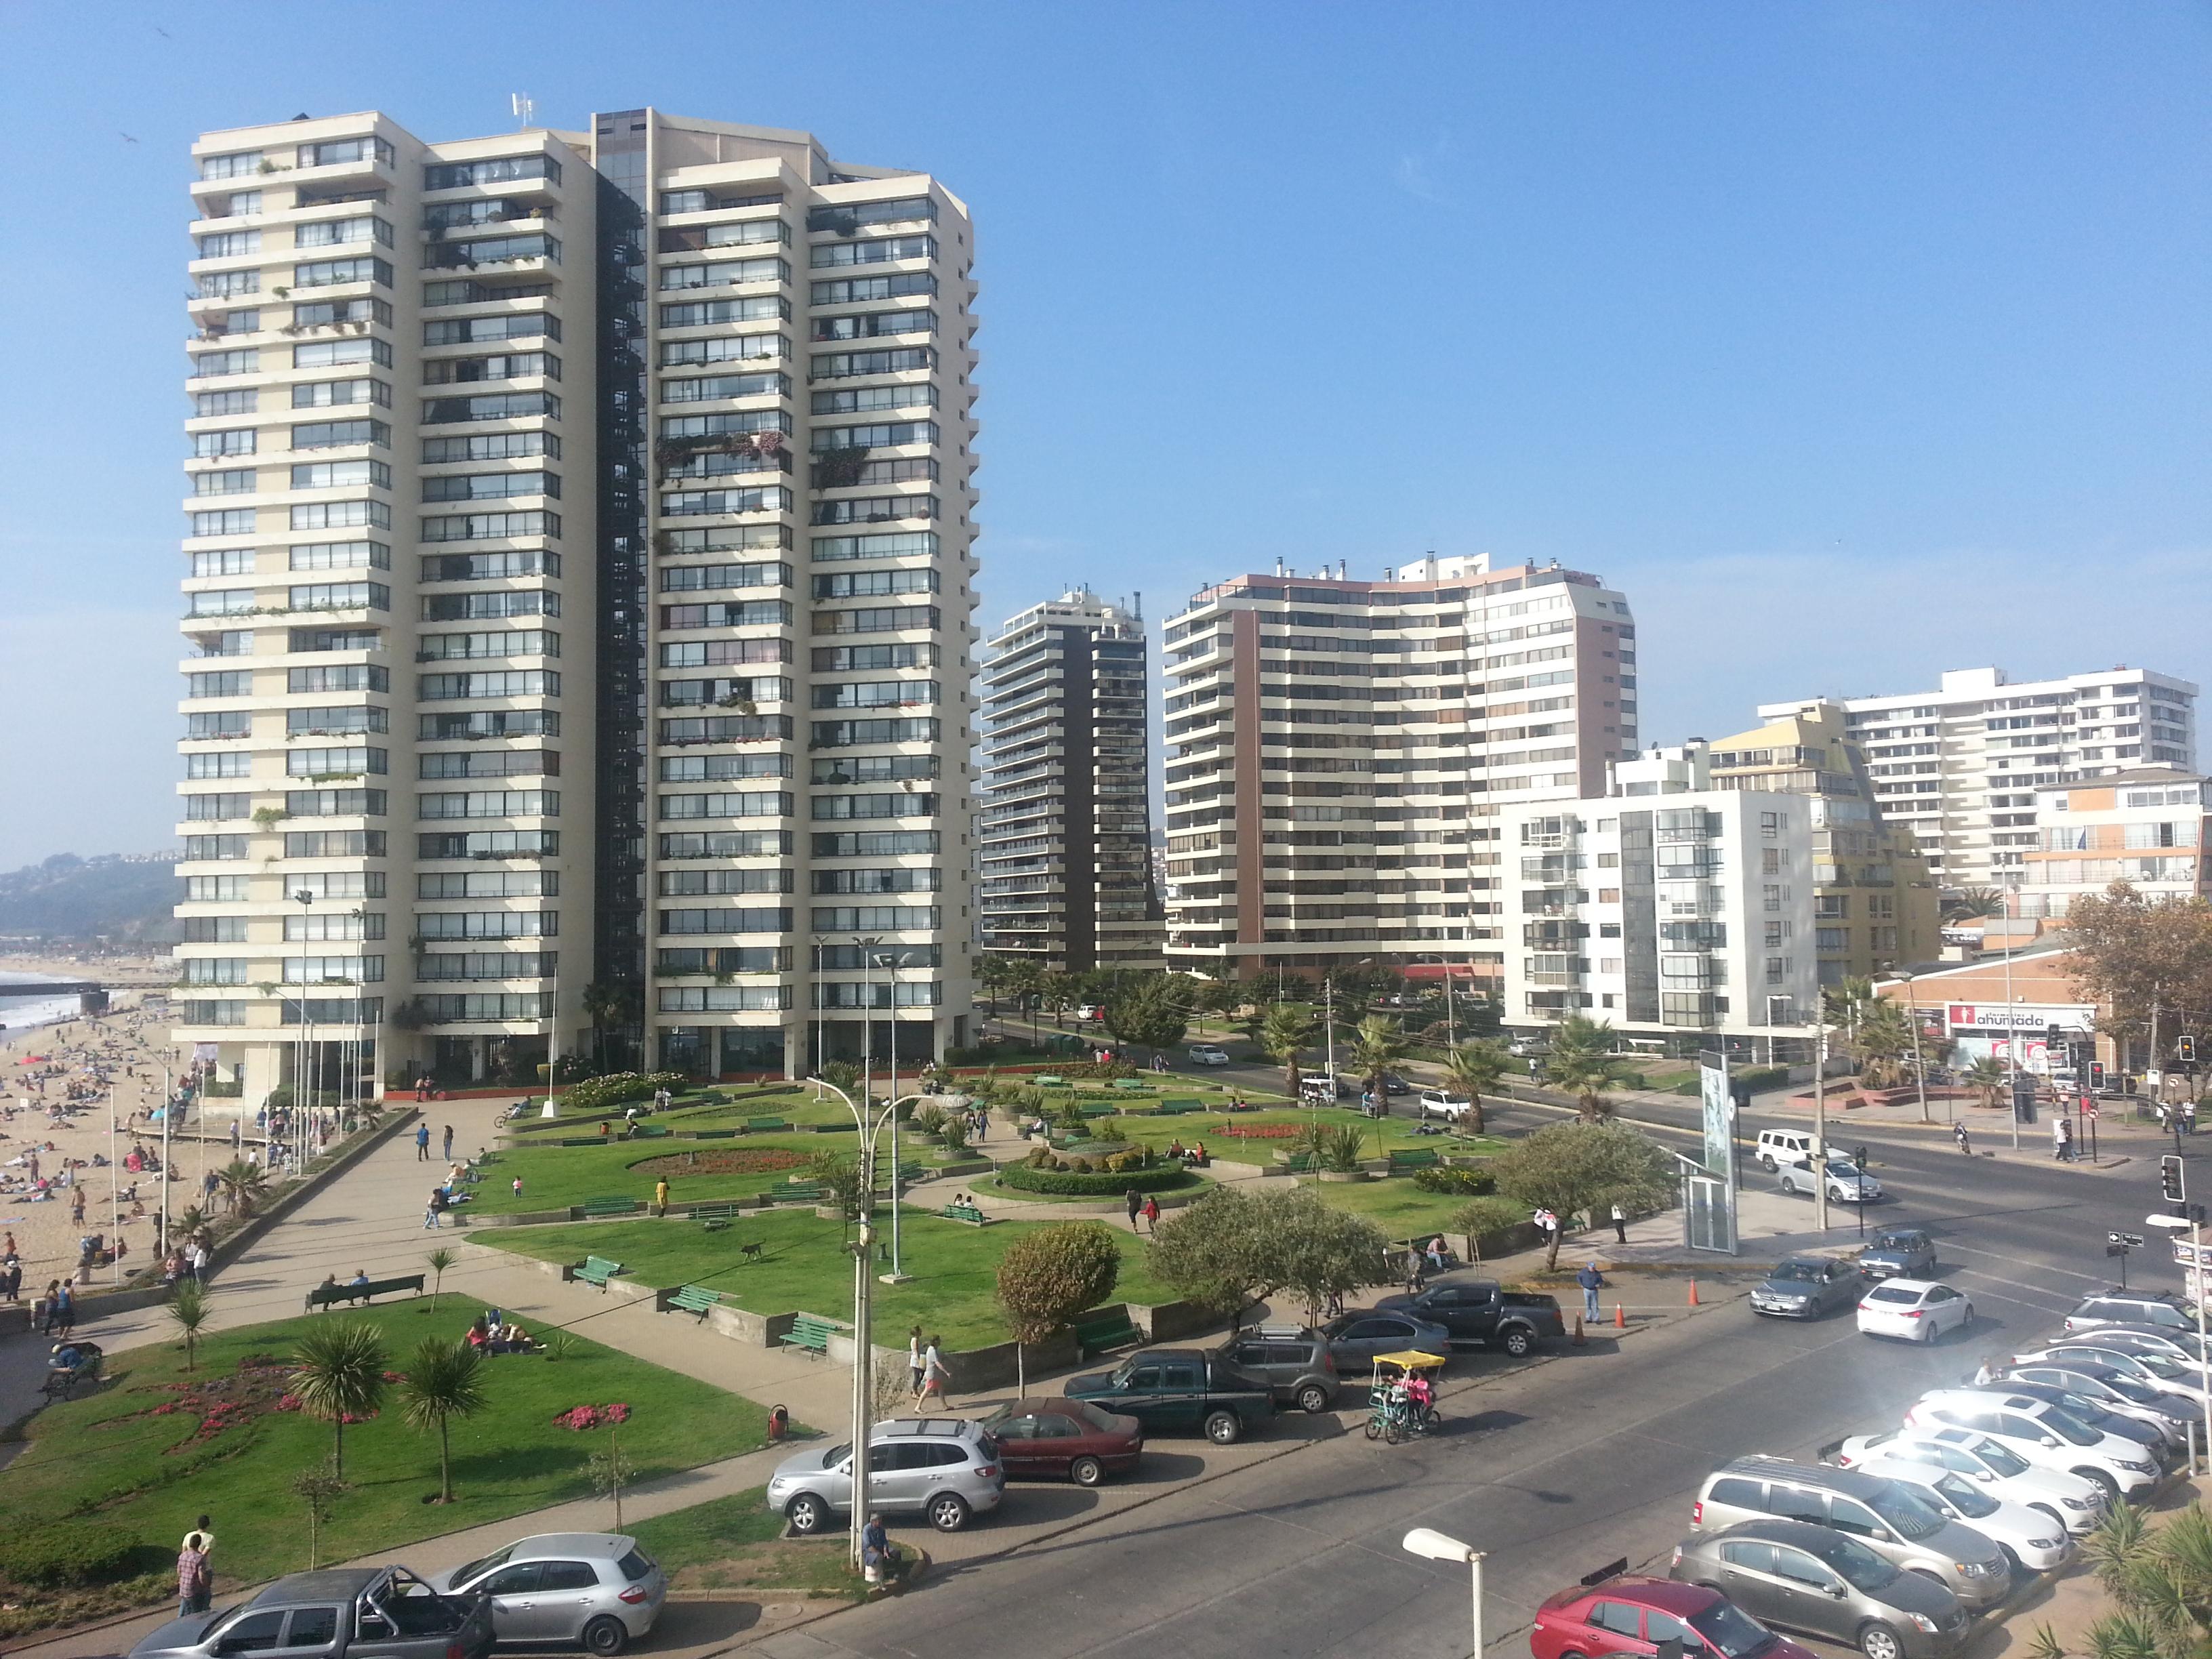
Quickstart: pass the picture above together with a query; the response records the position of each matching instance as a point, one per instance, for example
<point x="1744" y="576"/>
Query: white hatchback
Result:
<point x="1913" y="1309"/>
<point x="1205" y="1054"/>
<point x="1442" y="1102"/>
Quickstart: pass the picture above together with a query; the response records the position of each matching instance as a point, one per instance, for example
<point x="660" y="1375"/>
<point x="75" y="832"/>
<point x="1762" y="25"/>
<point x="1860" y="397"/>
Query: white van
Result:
<point x="1794" y="1146"/>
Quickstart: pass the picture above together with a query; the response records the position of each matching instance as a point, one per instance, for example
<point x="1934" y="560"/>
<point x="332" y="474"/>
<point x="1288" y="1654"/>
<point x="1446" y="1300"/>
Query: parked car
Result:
<point x="1444" y="1104"/>
<point x="1879" y="1514"/>
<point x="1356" y="1338"/>
<point x="595" y="1590"/>
<point x="2151" y="1308"/>
<point x="1914" y="1309"/>
<point x="1845" y="1182"/>
<point x="1899" y="1253"/>
<point x="2157" y="1437"/>
<point x="2030" y="1538"/>
<point x="1809" y="1578"/>
<point x="2042" y="1434"/>
<point x="2077" y="1505"/>
<point x="1779" y="1147"/>
<point x="944" y="1468"/>
<point x="1480" y="1311"/>
<point x="1320" y="1089"/>
<point x="2156" y="1367"/>
<point x="1295" y="1363"/>
<point x="1172" y="1388"/>
<point x="1395" y="1084"/>
<point x="1064" y="1440"/>
<point x="2173" y="1415"/>
<point x="386" y="1612"/>
<point x="1528" y="1048"/>
<point x="1206" y="1054"/>
<point x="2166" y="1340"/>
<point x="1807" y="1287"/>
<point x="1633" y="1614"/>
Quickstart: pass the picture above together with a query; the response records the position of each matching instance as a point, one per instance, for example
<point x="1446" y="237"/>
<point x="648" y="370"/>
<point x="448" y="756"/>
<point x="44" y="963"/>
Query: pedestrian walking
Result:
<point x="2062" y="1140"/>
<point x="449" y="1143"/>
<point x="1151" y="1213"/>
<point x="936" y="1378"/>
<point x="1135" y="1200"/>
<point x="194" y="1589"/>
<point x="915" y="1370"/>
<point x="433" y="1209"/>
<point x="421" y="1143"/>
<point x="1592" y="1282"/>
<point x="1959" y="1134"/>
<point x="1416" y="1265"/>
<point x="661" y="1196"/>
<point x="517" y="1186"/>
<point x="2189" y="1117"/>
<point x="1619" y="1225"/>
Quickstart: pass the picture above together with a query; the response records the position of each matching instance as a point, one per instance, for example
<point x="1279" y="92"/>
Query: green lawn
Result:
<point x="991" y="1184"/>
<point x="139" y="1456"/>
<point x="554" y="1177"/>
<point x="1395" y="1204"/>
<point x="1214" y="1128"/>
<point x="738" y="1543"/>
<point x="804" y="1269"/>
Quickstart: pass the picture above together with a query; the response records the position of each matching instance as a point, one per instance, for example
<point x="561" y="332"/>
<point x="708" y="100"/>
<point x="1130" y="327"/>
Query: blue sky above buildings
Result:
<point x="1855" y="342"/>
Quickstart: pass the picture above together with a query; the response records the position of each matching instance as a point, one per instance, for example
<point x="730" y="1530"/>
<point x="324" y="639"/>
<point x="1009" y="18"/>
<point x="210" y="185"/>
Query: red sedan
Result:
<point x="1634" y="1615"/>
<point x="1065" y="1439"/>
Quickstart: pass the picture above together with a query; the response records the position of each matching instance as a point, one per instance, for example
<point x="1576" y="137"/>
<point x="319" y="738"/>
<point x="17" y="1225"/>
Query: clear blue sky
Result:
<point x="1854" y="341"/>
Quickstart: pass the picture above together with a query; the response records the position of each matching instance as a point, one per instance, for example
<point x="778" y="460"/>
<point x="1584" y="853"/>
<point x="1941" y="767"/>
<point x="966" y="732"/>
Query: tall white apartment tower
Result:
<point x="1960" y="766"/>
<point x="1066" y="825"/>
<point x="578" y="596"/>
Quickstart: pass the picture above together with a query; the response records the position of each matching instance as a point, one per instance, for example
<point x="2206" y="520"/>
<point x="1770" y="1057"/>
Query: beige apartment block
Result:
<point x="579" y="577"/>
<point x="2146" y="828"/>
<point x="1874" y="901"/>
<point x="1337" y="754"/>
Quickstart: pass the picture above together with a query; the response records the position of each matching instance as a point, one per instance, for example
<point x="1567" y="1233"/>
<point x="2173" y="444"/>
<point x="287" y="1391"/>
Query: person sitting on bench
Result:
<point x="1198" y="1158"/>
<point x="360" y="1280"/>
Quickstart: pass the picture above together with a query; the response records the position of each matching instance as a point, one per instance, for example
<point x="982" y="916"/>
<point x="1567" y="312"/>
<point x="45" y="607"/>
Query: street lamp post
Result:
<point x="301" y="1088"/>
<point x="1434" y="1546"/>
<point x="897" y="1275"/>
<point x="1920" y="1067"/>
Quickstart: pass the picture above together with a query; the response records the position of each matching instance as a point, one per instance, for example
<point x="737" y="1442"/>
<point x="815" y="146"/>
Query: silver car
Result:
<point x="596" y="1590"/>
<point x="942" y="1467"/>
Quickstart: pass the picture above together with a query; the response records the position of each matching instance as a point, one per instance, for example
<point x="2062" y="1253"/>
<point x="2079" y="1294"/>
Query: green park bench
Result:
<point x="714" y="1217"/>
<point x="1098" y="1109"/>
<point x="1414" y="1157"/>
<point x="650" y="1132"/>
<point x="695" y="1299"/>
<point x="765" y="1126"/>
<point x="714" y="1134"/>
<point x="597" y="1270"/>
<point x="324" y="1295"/>
<point x="811" y="1332"/>
<point x="797" y="1192"/>
<point x="967" y="1213"/>
<point x="1103" y="1329"/>
<point x="1178" y="1106"/>
<point x="1048" y="1082"/>
<point x="1131" y="1083"/>
<point x="583" y="1140"/>
<point x="598" y="1209"/>
<point x="1302" y="1163"/>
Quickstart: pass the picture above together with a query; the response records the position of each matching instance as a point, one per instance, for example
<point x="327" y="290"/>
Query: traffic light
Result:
<point x="1859" y="1157"/>
<point x="2184" y="1050"/>
<point x="2173" y="1184"/>
<point x="2097" y="1077"/>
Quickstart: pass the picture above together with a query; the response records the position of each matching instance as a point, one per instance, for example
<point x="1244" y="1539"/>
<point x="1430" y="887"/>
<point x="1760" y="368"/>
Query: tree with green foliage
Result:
<point x="444" y="1381"/>
<point x="337" y="1373"/>
<point x="437" y="1262"/>
<point x="1153" y="1014"/>
<point x="243" y="1185"/>
<point x="1974" y="904"/>
<point x="1475" y="1069"/>
<point x="1059" y="993"/>
<point x="318" y="1489"/>
<point x="1576" y="1169"/>
<point x="1986" y="1077"/>
<point x="1582" y="1062"/>
<point x="1378" y="1045"/>
<point x="1232" y="1249"/>
<point x="2160" y="1580"/>
<point x="1881" y="1041"/>
<point x="188" y="1312"/>
<point x="1284" y="1035"/>
<point x="1049" y="1276"/>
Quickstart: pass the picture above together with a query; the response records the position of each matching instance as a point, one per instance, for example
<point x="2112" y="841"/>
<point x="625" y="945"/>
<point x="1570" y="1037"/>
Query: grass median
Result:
<point x="557" y="1177"/>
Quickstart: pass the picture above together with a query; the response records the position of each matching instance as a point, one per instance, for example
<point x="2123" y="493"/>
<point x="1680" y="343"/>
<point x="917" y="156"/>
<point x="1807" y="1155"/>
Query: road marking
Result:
<point x="2032" y="1289"/>
<point x="1968" y="1249"/>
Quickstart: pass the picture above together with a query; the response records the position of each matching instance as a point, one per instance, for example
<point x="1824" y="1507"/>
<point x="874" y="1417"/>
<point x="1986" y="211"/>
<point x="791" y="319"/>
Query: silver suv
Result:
<point x="1880" y="1514"/>
<point x="943" y="1467"/>
<point x="2148" y="1308"/>
<point x="1295" y="1363"/>
<point x="595" y="1590"/>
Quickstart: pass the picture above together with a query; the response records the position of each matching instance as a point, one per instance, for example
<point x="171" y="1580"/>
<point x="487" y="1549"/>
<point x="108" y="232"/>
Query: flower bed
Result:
<point x="579" y="1417"/>
<point x="1262" y="1130"/>
<point x="730" y="1160"/>
<point x="1023" y="1177"/>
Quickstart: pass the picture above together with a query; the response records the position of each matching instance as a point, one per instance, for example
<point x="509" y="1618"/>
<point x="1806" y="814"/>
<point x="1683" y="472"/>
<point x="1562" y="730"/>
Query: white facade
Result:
<point x="1960" y="766"/>
<point x="1663" y="905"/>
<point x="2146" y="828"/>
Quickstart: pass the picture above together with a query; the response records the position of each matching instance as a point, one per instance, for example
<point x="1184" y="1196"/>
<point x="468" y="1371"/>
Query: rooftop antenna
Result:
<point x="524" y="108"/>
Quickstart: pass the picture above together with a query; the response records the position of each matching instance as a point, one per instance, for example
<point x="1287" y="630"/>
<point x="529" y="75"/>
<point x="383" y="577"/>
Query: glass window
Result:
<point x="1615" y="1616"/>
<point x="250" y="1632"/>
<point x="568" y="1575"/>
<point x="312" y="1627"/>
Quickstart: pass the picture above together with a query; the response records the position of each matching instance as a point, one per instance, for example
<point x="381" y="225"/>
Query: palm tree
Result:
<point x="1986" y="1078"/>
<point x="1582" y="1063"/>
<point x="1023" y="979"/>
<point x="1285" y="1036"/>
<point x="1377" y="1045"/>
<point x="1477" y="1068"/>
<point x="1845" y="1004"/>
<point x="1883" y="1039"/>
<point x="444" y="1381"/>
<point x="991" y="974"/>
<point x="1974" y="904"/>
<point x="437" y="1262"/>
<point x="188" y="1311"/>
<point x="1059" y="993"/>
<point x="337" y="1372"/>
<point x="244" y="1185"/>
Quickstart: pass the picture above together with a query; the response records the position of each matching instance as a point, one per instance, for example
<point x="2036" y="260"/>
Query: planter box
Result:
<point x="1344" y="1175"/>
<point x="1172" y="1321"/>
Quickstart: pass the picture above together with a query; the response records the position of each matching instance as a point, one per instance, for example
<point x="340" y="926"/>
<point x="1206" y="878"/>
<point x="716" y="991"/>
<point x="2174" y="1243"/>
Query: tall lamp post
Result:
<point x="1434" y="1546"/>
<point x="1919" y="1066"/>
<point x="301" y="1087"/>
<point x="892" y="961"/>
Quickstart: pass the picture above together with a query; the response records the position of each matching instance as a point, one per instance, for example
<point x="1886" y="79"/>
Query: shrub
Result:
<point x="929" y="1119"/>
<point x="1474" y="1184"/>
<point x="1078" y="1180"/>
<point x="70" y="1554"/>
<point x="1486" y="1216"/>
<point x="954" y="1132"/>
<point x="618" y="1089"/>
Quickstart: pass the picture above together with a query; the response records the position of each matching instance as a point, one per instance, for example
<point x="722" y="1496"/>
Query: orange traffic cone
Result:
<point x="1576" y="1340"/>
<point x="1620" y="1319"/>
<point x="1694" y="1292"/>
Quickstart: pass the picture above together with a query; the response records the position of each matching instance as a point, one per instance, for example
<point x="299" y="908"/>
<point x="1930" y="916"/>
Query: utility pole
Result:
<point x="1821" y="1118"/>
<point x="1919" y="1066"/>
<point x="2012" y="1042"/>
<point x="1328" y="1023"/>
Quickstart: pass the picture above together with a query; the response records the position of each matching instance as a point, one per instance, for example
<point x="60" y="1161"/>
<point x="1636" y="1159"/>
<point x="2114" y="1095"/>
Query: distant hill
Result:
<point x="121" y="897"/>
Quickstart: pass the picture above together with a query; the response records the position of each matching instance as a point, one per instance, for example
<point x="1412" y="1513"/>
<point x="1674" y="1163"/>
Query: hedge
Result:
<point x="69" y="1554"/>
<point x="1474" y="1184"/>
<point x="1755" y="1078"/>
<point x="617" y="1089"/>
<point x="1024" y="1178"/>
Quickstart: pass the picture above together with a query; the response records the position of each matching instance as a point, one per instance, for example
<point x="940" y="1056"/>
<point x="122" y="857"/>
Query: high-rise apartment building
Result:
<point x="2145" y="827"/>
<point x="1065" y="821"/>
<point x="577" y="600"/>
<point x="1665" y="905"/>
<point x="1960" y="766"/>
<point x="1874" y="905"/>
<point x="1338" y="753"/>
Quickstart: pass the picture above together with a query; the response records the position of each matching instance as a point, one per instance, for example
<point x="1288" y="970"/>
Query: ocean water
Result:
<point x="20" y="1013"/>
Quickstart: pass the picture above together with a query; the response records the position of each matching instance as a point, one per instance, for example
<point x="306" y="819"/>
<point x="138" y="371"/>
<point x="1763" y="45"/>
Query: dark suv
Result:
<point x="1295" y="1363"/>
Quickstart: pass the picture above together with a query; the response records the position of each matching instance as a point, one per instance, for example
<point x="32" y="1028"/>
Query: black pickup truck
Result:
<point x="345" y="1612"/>
<point x="1171" y="1388"/>
<point x="1480" y="1311"/>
